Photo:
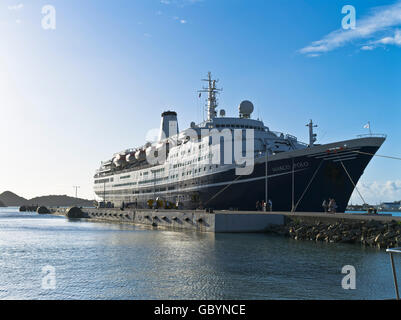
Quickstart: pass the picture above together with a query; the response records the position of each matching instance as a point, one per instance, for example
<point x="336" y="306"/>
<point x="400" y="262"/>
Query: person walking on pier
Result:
<point x="270" y="205"/>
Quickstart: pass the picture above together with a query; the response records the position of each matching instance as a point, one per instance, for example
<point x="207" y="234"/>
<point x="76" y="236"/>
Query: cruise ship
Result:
<point x="231" y="163"/>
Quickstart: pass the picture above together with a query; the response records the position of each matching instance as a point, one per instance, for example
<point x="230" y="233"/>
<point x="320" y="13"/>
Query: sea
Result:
<point x="51" y="257"/>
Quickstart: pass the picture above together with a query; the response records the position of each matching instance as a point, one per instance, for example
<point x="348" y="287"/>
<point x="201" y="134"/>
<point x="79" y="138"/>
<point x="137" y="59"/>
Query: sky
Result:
<point x="72" y="96"/>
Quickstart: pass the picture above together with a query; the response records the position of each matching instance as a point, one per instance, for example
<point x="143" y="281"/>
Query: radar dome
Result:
<point x="245" y="109"/>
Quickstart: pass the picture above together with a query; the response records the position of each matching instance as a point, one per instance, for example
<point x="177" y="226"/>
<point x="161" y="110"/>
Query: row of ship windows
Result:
<point x="136" y="191"/>
<point x="199" y="170"/>
<point x="104" y="180"/>
<point x="129" y="176"/>
<point x="162" y="170"/>
<point x="239" y="126"/>
<point x="178" y="165"/>
<point x="189" y="151"/>
<point x="153" y="190"/>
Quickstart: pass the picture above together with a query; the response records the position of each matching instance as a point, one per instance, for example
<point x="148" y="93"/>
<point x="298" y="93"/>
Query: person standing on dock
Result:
<point x="332" y="206"/>
<point x="270" y="205"/>
<point x="325" y="206"/>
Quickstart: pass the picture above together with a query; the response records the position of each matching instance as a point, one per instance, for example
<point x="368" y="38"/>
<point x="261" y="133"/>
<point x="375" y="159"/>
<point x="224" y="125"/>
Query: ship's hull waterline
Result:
<point x="299" y="180"/>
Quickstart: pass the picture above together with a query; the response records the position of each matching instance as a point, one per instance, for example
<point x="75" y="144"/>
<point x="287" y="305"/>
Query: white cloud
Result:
<point x="367" y="48"/>
<point x="395" y="40"/>
<point x="180" y="20"/>
<point x="381" y="20"/>
<point x="375" y="192"/>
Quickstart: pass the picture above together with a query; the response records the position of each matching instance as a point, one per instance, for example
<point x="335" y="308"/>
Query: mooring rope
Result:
<point x="307" y="187"/>
<point x="376" y="155"/>
<point x="352" y="181"/>
<point x="222" y="190"/>
<point x="370" y="154"/>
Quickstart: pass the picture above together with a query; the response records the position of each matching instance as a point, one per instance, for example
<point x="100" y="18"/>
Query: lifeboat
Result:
<point x="140" y="155"/>
<point x="119" y="160"/>
<point x="130" y="158"/>
<point x="151" y="152"/>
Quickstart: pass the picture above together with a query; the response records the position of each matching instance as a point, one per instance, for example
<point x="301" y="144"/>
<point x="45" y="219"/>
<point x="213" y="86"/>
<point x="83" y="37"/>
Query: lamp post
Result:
<point x="266" y="179"/>
<point x="292" y="186"/>
<point x="104" y="193"/>
<point x="76" y="191"/>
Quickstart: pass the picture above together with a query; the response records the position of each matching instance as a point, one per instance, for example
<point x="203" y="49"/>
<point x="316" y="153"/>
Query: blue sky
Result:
<point x="73" y="96"/>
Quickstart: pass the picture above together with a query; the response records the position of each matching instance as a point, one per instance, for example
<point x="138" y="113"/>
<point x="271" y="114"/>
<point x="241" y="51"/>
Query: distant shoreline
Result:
<point x="10" y="199"/>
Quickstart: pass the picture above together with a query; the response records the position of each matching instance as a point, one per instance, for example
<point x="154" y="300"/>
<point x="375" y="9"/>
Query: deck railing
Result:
<point x="373" y="135"/>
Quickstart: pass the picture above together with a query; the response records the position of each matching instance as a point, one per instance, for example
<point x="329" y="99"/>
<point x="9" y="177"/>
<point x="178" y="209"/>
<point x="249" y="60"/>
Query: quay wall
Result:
<point x="220" y="222"/>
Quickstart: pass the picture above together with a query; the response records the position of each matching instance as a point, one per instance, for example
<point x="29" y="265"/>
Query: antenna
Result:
<point x="76" y="191"/>
<point x="312" y="136"/>
<point x="211" y="100"/>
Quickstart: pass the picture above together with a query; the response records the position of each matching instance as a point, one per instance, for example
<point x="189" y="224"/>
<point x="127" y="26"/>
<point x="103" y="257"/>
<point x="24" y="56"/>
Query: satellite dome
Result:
<point x="245" y="109"/>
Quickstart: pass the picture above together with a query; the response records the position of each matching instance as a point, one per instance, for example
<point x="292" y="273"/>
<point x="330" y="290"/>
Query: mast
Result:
<point x="212" y="91"/>
<point x="312" y="136"/>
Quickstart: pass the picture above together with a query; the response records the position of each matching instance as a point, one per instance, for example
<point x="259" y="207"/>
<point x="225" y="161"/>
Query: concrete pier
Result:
<point x="220" y="221"/>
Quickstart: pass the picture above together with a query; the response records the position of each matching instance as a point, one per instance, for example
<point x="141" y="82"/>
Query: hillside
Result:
<point x="10" y="199"/>
<point x="2" y="204"/>
<point x="60" y="201"/>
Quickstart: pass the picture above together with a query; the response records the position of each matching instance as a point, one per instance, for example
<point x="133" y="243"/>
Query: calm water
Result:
<point x="110" y="261"/>
<point x="393" y="213"/>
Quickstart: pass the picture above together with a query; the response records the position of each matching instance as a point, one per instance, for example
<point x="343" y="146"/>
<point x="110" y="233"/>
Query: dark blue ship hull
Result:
<point x="302" y="189"/>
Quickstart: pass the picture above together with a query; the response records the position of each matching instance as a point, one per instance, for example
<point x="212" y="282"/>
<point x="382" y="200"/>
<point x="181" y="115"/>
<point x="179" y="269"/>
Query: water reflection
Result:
<point x="113" y="261"/>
